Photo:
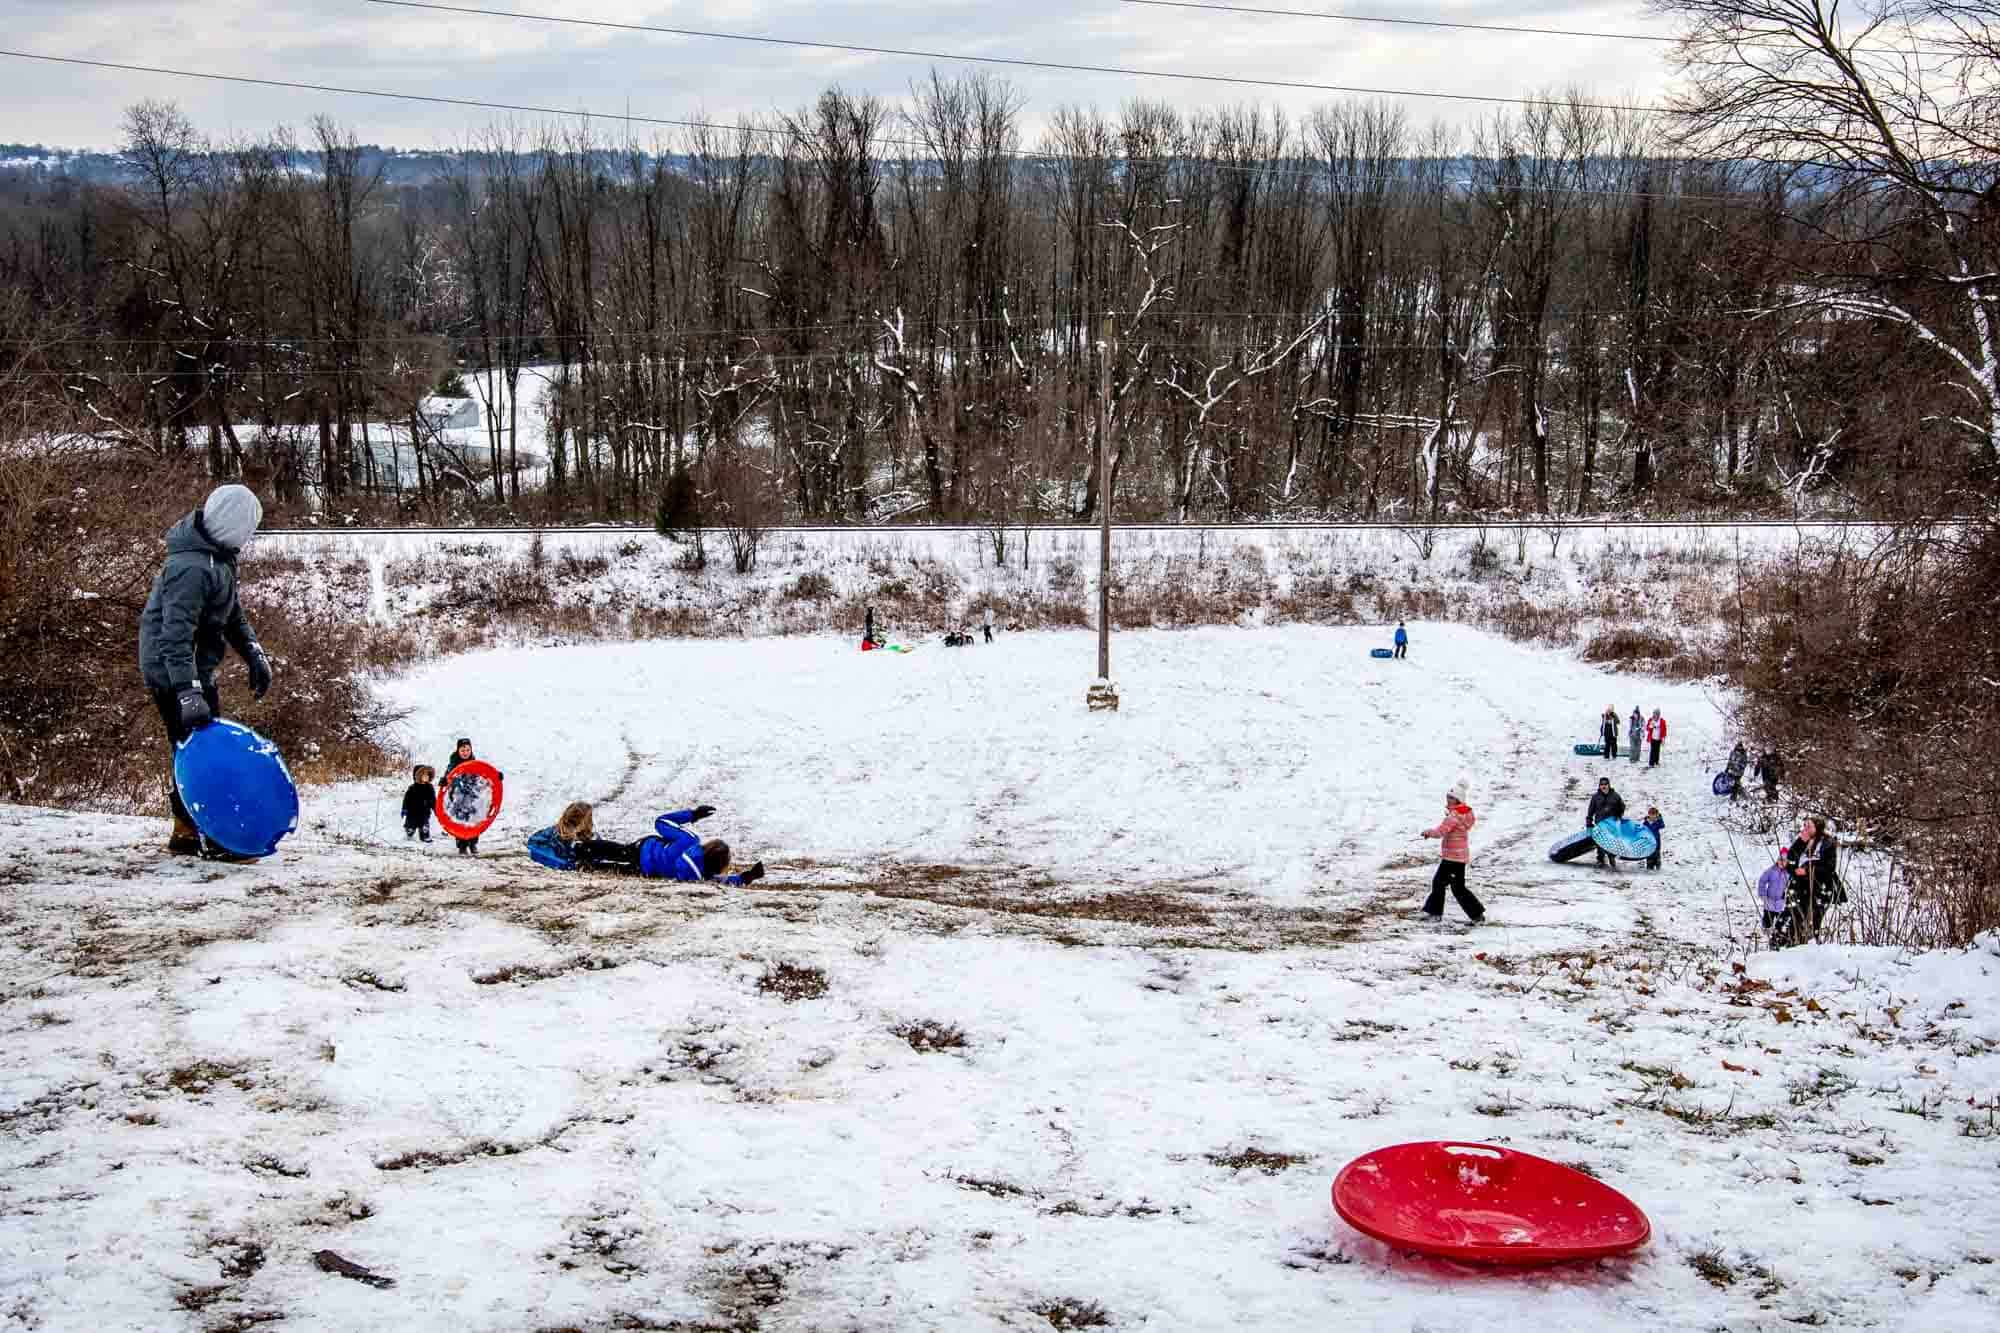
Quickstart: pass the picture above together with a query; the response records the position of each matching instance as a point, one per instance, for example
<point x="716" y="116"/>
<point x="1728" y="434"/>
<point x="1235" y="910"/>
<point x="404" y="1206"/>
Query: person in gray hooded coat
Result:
<point x="191" y="616"/>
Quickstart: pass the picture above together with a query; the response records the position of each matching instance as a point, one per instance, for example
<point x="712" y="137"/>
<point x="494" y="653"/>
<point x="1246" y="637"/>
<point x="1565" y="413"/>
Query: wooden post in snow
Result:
<point x="1103" y="694"/>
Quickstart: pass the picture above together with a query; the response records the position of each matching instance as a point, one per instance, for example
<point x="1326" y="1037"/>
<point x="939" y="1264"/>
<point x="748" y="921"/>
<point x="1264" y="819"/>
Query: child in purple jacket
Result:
<point x="1771" y="886"/>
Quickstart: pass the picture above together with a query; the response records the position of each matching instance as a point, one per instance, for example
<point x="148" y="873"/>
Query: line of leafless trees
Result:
<point x="876" y="308"/>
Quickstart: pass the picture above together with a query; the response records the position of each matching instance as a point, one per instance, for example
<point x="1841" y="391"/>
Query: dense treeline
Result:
<point x="873" y="308"/>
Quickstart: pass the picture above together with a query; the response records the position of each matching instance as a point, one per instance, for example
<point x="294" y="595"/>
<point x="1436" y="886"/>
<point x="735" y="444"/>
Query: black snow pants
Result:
<point x="1451" y="875"/>
<point x="1653" y="759"/>
<point x="170" y="713"/>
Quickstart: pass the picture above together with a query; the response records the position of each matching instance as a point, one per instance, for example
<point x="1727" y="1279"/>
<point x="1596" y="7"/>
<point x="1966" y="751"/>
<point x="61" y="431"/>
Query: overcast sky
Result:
<point x="355" y="44"/>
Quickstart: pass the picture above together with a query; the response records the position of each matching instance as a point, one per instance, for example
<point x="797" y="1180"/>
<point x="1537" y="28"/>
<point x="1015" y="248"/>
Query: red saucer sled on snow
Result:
<point x="468" y="800"/>
<point x="1485" y="1205"/>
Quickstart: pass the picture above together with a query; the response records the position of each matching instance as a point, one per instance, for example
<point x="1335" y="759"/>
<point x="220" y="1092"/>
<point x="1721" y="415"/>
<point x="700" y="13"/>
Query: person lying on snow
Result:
<point x="675" y="853"/>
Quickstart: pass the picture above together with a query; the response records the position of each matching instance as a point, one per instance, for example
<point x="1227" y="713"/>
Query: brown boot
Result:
<point x="185" y="840"/>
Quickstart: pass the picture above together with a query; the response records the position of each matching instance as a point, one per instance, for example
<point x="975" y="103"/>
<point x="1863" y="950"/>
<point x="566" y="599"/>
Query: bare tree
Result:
<point x="1847" y="98"/>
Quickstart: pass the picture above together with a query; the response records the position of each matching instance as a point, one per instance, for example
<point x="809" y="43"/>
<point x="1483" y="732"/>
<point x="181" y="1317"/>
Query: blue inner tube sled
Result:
<point x="1626" y="839"/>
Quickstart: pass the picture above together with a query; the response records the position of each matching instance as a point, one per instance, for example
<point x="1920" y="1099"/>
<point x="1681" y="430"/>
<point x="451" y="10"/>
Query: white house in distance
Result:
<point x="450" y="413"/>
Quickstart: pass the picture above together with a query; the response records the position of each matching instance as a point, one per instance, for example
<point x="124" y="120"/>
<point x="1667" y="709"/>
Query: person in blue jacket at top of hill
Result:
<point x="1402" y="640"/>
<point x="673" y="853"/>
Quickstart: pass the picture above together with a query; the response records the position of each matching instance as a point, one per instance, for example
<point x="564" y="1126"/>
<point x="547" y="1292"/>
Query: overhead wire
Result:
<point x="1522" y="29"/>
<point x="1018" y="62"/>
<point x="278" y="342"/>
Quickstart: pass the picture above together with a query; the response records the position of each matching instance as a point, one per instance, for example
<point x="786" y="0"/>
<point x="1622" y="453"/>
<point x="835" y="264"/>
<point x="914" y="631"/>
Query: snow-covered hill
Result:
<point x="1043" y="1018"/>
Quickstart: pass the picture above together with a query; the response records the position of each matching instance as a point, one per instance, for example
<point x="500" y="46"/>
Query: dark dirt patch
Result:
<point x="264" y="1164"/>
<point x="245" y="1320"/>
<point x="792" y="983"/>
<point x="366" y="980"/>
<point x="996" y="1189"/>
<point x="1713" y="1270"/>
<point x="928" y="1036"/>
<point x="527" y="973"/>
<point x="202" y="1075"/>
<point x="1270" y="1163"/>
<point x="199" y="1298"/>
<point x="1068" y="1313"/>
<point x="238" y="1258"/>
<point x="427" y="1160"/>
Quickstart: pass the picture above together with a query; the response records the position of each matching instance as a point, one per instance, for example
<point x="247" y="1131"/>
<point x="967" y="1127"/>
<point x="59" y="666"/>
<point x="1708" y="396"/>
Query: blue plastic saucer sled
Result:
<point x="1725" y="782"/>
<point x="1585" y="747"/>
<point x="1381" y="652"/>
<point x="236" y="785"/>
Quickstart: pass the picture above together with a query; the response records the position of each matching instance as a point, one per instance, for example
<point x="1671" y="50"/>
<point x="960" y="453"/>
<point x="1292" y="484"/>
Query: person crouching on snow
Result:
<point x="571" y="843"/>
<point x="1457" y="850"/>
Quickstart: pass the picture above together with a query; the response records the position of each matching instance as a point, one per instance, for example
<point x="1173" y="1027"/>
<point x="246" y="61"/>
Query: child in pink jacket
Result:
<point x="1457" y="850"/>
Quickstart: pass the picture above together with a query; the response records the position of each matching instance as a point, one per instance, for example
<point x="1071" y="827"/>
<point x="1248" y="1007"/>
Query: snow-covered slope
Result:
<point x="1043" y="1017"/>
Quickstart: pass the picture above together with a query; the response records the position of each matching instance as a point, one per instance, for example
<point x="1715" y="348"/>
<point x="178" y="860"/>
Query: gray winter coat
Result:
<point x="192" y="611"/>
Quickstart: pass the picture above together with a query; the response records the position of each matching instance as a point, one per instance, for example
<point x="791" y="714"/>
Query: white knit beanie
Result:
<point x="231" y="515"/>
<point x="1458" y="790"/>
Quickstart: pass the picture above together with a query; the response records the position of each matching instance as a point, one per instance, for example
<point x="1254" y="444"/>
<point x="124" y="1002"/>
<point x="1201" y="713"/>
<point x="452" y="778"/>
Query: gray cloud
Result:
<point x="359" y="45"/>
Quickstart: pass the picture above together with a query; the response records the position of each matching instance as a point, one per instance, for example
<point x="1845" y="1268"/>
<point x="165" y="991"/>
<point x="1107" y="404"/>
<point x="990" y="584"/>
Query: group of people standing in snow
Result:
<point x="1801" y="885"/>
<point x="1653" y="730"/>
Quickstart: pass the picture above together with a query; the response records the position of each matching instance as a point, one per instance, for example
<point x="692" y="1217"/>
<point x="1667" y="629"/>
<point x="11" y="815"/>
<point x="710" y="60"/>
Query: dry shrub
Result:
<point x="1627" y="644"/>
<point x="80" y="542"/>
<point x="1870" y="671"/>
<point x="1524" y="622"/>
<point x="811" y="586"/>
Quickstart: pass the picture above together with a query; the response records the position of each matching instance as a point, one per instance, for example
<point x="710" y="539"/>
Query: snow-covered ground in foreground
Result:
<point x="1176" y="945"/>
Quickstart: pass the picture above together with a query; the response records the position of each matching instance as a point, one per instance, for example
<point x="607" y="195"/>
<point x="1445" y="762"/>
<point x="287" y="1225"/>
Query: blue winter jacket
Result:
<point x="1657" y="823"/>
<point x="676" y="852"/>
<point x="1402" y="637"/>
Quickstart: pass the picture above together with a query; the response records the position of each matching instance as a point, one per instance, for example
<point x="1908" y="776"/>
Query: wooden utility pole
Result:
<point x="1102" y="694"/>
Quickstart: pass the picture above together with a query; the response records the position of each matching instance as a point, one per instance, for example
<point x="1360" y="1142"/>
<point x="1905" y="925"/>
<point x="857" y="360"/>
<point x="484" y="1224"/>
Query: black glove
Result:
<point x="754" y="873"/>
<point x="700" y="812"/>
<point x="260" y="673"/>
<point x="194" y="708"/>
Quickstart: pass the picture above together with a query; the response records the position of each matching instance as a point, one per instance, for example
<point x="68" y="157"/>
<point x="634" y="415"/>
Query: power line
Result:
<point x="243" y="376"/>
<point x="1017" y="62"/>
<point x="1028" y="325"/>
<point x="1322" y="174"/>
<point x="1408" y="22"/>
<point x="1523" y="29"/>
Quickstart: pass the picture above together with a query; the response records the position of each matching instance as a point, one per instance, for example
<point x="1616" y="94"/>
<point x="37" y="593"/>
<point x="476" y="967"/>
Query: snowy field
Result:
<point x="1043" y="1019"/>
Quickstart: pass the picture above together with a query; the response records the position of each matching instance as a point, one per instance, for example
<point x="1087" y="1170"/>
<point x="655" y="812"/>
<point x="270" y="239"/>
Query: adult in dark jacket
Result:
<point x="1771" y="769"/>
<point x="1607" y="732"/>
<point x="1605" y="803"/>
<point x="1815" y="859"/>
<point x="192" y="615"/>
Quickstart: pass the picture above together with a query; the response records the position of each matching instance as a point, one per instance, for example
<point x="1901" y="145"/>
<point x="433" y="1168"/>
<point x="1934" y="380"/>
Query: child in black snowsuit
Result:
<point x="418" y="802"/>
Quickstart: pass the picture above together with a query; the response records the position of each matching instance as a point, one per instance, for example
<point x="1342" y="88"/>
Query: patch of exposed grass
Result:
<point x="1068" y="1313"/>
<point x="527" y="974"/>
<point x="425" y="1160"/>
<point x="202" y="1075"/>
<point x="1713" y="1269"/>
<point x="996" y="1189"/>
<point x="792" y="983"/>
<point x="928" y="1036"/>
<point x="1270" y="1163"/>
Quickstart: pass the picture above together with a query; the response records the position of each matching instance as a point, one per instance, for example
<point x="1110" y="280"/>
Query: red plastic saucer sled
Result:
<point x="1485" y="1205"/>
<point x="468" y="801"/>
